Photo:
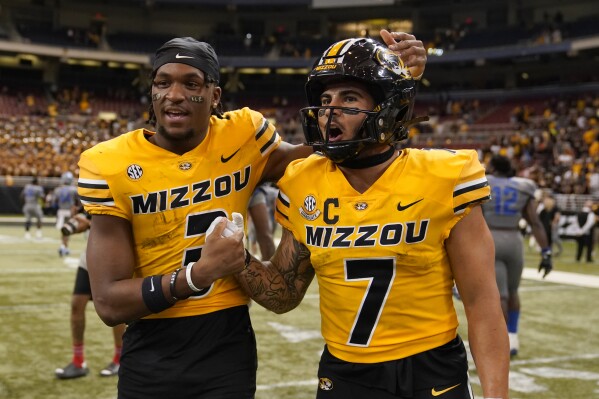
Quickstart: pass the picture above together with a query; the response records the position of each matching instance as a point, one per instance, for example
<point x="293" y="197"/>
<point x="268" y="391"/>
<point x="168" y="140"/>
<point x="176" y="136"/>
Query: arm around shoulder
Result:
<point x="281" y="157"/>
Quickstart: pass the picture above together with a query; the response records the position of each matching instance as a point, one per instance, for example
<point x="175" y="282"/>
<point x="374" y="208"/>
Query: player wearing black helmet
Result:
<point x="385" y="78"/>
<point x="385" y="232"/>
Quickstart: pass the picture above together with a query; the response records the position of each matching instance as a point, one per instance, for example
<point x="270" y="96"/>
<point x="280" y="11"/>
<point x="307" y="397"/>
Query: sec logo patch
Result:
<point x="308" y="209"/>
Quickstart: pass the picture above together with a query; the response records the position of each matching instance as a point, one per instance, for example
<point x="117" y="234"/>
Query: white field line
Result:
<point x="8" y="239"/>
<point x="67" y="269"/>
<point x="556" y="276"/>
<point x="557" y="359"/>
<point x="32" y="308"/>
<point x="550" y="287"/>
<point x="313" y="382"/>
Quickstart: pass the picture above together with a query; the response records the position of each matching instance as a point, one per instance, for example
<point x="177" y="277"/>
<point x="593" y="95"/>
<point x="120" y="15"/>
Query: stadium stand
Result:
<point x="499" y="78"/>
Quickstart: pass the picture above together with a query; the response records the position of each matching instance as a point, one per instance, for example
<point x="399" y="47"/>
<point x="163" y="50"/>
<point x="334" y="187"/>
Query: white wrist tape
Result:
<point x="188" y="277"/>
<point x="237" y="219"/>
<point x="232" y="226"/>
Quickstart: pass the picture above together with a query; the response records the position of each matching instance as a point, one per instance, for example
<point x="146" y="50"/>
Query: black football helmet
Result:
<point x="387" y="80"/>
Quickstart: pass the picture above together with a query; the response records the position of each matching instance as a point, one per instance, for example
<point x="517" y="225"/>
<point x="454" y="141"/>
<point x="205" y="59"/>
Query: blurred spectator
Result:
<point x="550" y="214"/>
<point x="594" y="180"/>
<point x="584" y="239"/>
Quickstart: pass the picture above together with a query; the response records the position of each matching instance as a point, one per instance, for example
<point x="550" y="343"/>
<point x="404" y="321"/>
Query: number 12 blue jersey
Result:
<point x="509" y="196"/>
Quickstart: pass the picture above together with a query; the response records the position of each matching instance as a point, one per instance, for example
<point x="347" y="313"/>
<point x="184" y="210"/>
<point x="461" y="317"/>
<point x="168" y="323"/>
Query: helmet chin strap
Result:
<point x="367" y="162"/>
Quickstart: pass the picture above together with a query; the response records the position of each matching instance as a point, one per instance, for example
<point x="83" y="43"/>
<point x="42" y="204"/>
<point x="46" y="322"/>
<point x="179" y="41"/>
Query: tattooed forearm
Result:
<point x="280" y="284"/>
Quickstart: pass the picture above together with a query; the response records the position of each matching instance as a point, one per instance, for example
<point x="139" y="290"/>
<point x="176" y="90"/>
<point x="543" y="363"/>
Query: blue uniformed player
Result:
<point x="512" y="198"/>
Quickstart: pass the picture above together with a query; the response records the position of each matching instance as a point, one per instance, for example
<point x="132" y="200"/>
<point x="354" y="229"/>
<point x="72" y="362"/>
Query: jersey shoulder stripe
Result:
<point x="295" y="175"/>
<point x="470" y="185"/>
<point x="282" y="205"/>
<point x="94" y="185"/>
<point x="262" y="128"/>
<point x="97" y="184"/>
<point x="266" y="136"/>
<point x="89" y="201"/>
<point x="100" y="165"/>
<point x="476" y="187"/>
<point x="459" y="209"/>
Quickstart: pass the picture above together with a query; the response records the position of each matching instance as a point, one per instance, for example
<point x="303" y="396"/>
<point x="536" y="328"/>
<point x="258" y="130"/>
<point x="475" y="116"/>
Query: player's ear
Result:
<point x="216" y="96"/>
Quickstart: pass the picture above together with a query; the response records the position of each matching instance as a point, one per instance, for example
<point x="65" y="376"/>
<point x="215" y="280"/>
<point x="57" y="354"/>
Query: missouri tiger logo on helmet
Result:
<point x="388" y="59"/>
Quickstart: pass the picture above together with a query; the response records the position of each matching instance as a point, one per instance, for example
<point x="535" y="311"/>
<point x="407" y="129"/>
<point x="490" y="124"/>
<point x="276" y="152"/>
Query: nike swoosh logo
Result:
<point x="182" y="56"/>
<point x="152" y="283"/>
<point x="224" y="159"/>
<point x="441" y="392"/>
<point x="403" y="208"/>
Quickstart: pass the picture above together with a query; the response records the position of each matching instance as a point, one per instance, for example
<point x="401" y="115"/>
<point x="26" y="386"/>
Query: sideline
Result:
<point x="556" y="276"/>
<point x="19" y="220"/>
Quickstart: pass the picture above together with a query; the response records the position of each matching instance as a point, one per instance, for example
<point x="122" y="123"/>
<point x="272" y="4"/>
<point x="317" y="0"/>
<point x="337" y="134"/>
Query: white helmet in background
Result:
<point x="66" y="178"/>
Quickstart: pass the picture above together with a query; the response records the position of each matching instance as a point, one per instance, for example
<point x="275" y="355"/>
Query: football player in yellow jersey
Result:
<point x="152" y="197"/>
<point x="386" y="232"/>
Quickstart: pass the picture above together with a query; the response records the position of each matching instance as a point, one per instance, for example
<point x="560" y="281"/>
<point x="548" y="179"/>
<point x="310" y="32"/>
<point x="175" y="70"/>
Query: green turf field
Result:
<point x="559" y="356"/>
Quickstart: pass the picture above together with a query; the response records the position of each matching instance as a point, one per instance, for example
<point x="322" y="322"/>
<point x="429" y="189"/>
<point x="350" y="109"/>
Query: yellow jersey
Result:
<point x="383" y="271"/>
<point x="170" y="199"/>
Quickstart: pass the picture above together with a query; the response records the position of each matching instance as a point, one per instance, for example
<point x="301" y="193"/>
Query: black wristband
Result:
<point x="151" y="292"/>
<point x="172" y="284"/>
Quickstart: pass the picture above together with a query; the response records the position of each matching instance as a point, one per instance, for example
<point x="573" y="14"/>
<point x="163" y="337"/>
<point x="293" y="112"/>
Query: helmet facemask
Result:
<point x="319" y="139"/>
<point x="387" y="81"/>
<point x="383" y="125"/>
